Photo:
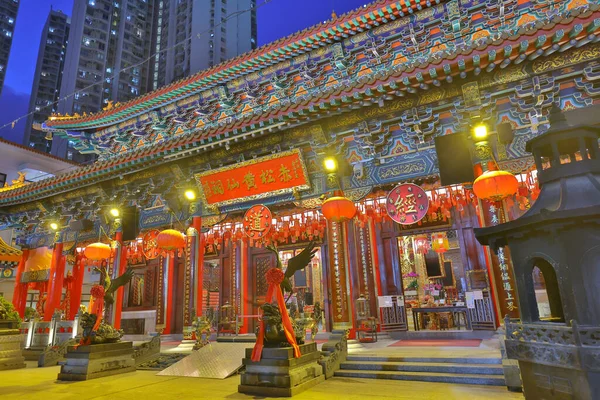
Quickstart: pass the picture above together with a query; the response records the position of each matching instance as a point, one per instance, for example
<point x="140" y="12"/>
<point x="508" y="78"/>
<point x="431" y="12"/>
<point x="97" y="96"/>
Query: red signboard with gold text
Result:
<point x="254" y="179"/>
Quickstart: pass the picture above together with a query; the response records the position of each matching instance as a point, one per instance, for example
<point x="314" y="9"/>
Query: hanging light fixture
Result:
<point x="421" y="244"/>
<point x="97" y="252"/>
<point x="170" y="240"/>
<point x="338" y="208"/>
<point x="495" y="185"/>
<point x="439" y="242"/>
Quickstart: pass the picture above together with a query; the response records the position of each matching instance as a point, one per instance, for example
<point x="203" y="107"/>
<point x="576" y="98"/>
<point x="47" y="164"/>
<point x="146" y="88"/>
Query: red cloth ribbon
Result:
<point x="97" y="304"/>
<point x="274" y="278"/>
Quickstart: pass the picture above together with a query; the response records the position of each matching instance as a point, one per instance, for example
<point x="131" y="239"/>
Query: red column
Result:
<point x="169" y="309"/>
<point x="54" y="290"/>
<point x="199" y="264"/>
<point x="20" y="292"/>
<point x="244" y="309"/>
<point x="118" y="304"/>
<point x="375" y="252"/>
<point x="78" y="274"/>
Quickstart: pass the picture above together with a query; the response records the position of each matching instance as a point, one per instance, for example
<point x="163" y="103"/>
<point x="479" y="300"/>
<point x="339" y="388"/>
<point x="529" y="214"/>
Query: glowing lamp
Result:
<point x="495" y="185"/>
<point x="338" y="209"/>
<point x="170" y="240"/>
<point x="97" y="251"/>
<point x="190" y="195"/>
<point x="330" y="164"/>
<point x="54" y="226"/>
<point x="480" y="132"/>
<point x="114" y="212"/>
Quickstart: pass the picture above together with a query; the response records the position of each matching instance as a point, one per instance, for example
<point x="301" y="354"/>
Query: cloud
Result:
<point x="13" y="105"/>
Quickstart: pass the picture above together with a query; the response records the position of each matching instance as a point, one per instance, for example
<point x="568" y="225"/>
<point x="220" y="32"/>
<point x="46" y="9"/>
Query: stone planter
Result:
<point x="11" y="356"/>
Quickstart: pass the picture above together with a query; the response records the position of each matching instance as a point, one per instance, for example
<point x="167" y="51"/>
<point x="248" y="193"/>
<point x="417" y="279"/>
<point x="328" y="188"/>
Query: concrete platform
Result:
<point x="97" y="361"/>
<point x="11" y="356"/>
<point x="279" y="373"/>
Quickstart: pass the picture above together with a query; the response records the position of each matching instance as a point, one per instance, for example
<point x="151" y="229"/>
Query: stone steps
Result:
<point x="456" y="360"/>
<point x="461" y="370"/>
<point x="473" y="379"/>
<point x="454" y="368"/>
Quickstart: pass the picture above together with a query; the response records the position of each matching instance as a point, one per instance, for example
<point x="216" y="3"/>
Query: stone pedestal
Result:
<point x="279" y="374"/>
<point x="97" y="360"/>
<point x="10" y="349"/>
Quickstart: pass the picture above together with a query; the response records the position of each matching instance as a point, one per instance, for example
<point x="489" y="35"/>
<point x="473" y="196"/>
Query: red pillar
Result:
<point x="20" y="292"/>
<point x="244" y="309"/>
<point x="118" y="304"/>
<point x="169" y="309"/>
<point x="78" y="274"/>
<point x="54" y="290"/>
<point x="375" y="253"/>
<point x="199" y="264"/>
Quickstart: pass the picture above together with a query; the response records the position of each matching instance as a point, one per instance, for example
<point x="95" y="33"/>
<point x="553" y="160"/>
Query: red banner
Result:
<point x="254" y="179"/>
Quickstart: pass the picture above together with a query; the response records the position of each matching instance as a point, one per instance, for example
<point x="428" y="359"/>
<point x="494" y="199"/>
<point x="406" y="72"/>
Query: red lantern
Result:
<point x="421" y="244"/>
<point x="495" y="185"/>
<point x="97" y="251"/>
<point x="439" y="242"/>
<point x="170" y="240"/>
<point x="338" y="209"/>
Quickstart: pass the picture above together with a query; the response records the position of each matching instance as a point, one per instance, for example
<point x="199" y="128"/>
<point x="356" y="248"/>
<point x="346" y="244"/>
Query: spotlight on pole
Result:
<point x="190" y="194"/>
<point x="480" y="132"/>
<point x="330" y="164"/>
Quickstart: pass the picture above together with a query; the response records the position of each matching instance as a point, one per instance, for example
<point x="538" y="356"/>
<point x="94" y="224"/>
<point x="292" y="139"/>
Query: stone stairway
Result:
<point x="462" y="370"/>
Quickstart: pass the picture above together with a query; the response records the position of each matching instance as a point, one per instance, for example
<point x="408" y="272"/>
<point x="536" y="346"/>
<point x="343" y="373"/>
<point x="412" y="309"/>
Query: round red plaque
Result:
<point x="407" y="203"/>
<point x="257" y="222"/>
<point x="150" y="245"/>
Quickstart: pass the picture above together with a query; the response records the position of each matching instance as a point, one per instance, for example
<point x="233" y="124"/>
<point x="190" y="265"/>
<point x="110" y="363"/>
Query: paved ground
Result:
<point x="40" y="383"/>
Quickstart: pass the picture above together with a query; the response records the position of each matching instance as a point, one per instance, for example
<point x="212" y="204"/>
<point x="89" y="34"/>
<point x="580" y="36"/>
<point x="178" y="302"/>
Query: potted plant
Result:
<point x="9" y="317"/>
<point x="413" y="283"/>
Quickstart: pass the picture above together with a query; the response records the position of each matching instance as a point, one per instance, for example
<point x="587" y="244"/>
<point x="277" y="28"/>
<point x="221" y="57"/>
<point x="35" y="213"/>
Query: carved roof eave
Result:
<point x="392" y="82"/>
<point x="349" y="24"/>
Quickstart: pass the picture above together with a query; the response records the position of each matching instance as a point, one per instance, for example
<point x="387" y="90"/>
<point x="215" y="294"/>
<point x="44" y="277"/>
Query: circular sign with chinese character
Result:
<point x="407" y="203"/>
<point x="257" y="222"/>
<point x="150" y="245"/>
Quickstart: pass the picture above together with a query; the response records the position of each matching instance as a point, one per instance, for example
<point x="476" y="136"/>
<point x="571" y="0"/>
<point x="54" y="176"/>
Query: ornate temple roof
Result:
<point x="344" y="26"/>
<point x="392" y="58"/>
<point x="9" y="256"/>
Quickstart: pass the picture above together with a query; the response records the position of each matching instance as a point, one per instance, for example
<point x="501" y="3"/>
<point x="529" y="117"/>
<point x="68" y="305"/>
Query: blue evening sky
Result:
<point x="276" y="19"/>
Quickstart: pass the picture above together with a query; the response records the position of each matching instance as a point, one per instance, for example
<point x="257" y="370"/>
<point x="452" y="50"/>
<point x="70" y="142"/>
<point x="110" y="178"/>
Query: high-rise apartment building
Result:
<point x="193" y="35"/>
<point x="8" y="19"/>
<point x="47" y="78"/>
<point x="109" y="44"/>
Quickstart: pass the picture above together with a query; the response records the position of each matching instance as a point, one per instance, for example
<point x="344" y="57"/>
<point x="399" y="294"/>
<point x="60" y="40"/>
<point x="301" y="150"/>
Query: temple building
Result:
<point x="385" y="135"/>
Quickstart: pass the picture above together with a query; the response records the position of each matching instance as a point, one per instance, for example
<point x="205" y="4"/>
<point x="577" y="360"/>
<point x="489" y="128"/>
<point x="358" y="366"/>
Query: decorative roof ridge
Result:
<point x="394" y="8"/>
<point x="39" y="152"/>
<point x="145" y="157"/>
<point x="9" y="253"/>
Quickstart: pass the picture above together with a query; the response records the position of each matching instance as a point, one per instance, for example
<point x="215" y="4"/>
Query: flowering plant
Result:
<point x="411" y="274"/>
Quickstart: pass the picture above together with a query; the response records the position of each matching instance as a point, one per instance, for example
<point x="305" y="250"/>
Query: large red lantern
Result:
<point x="495" y="185"/>
<point x="338" y="209"/>
<point x="97" y="251"/>
<point x="170" y="240"/>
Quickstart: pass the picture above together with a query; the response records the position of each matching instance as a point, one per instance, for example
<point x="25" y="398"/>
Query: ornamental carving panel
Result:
<point x="261" y="266"/>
